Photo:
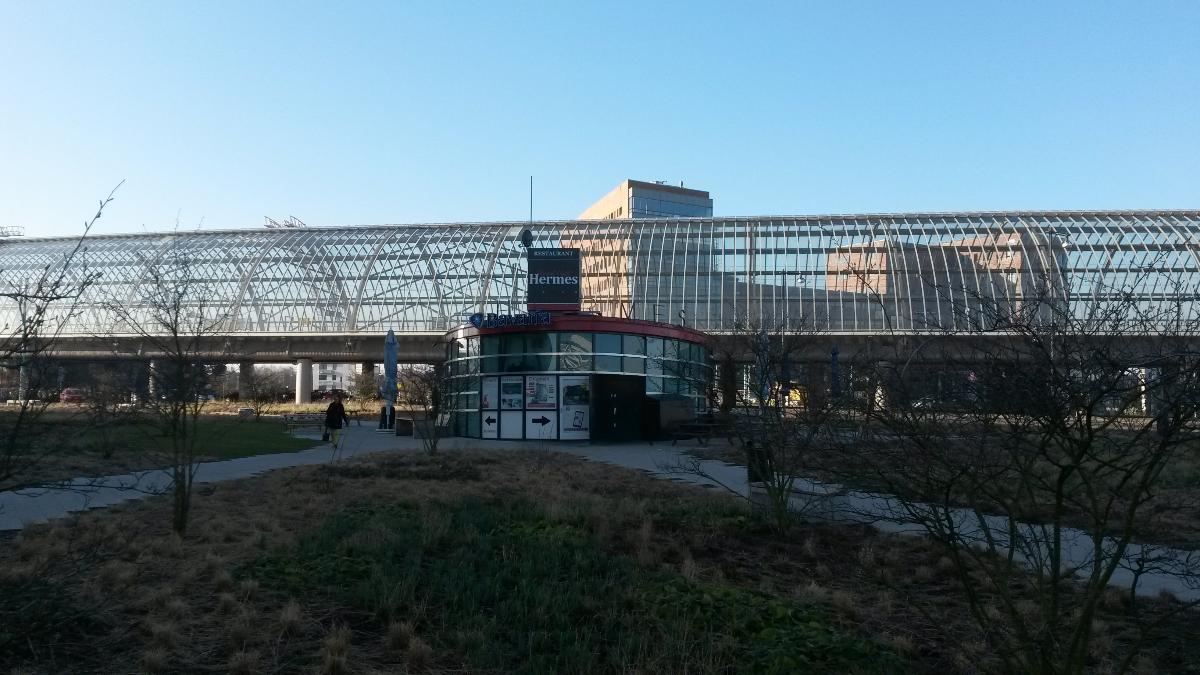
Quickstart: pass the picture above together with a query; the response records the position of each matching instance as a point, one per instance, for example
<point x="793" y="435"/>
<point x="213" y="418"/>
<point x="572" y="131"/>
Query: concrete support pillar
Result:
<point x="152" y="381"/>
<point x="1143" y="376"/>
<point x="818" y="385"/>
<point x="245" y="379"/>
<point x="304" y="380"/>
<point x="23" y="383"/>
<point x="881" y="384"/>
<point x="366" y="367"/>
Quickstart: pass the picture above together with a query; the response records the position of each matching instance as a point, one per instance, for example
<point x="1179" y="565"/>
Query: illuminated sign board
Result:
<point x="554" y="279"/>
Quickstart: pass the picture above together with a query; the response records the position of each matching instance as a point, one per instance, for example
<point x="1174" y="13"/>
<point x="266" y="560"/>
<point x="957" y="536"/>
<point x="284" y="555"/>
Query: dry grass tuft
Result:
<point x="867" y="555"/>
<point x="647" y="556"/>
<point x="688" y="567"/>
<point x="248" y="588"/>
<point x="242" y="628"/>
<point x="163" y="633"/>
<point x="924" y="574"/>
<point x="176" y="608"/>
<point x="1116" y="599"/>
<point x="291" y="617"/>
<point x="169" y="546"/>
<point x="244" y="663"/>
<point x="336" y="647"/>
<point x="843" y="601"/>
<point x="902" y="643"/>
<point x="223" y="580"/>
<point x="116" y="574"/>
<point x="227" y="603"/>
<point x="809" y="546"/>
<point x="812" y="593"/>
<point x="155" y="660"/>
<point x="212" y="563"/>
<point x="398" y="635"/>
<point x="420" y="654"/>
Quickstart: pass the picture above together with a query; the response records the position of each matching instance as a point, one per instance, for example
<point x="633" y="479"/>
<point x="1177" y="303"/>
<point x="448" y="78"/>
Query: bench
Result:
<point x="702" y="430"/>
<point x="295" y="421"/>
<point x="299" y="420"/>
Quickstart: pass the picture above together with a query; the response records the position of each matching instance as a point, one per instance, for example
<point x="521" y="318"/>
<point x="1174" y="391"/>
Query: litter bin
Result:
<point x="758" y="463"/>
<point x="404" y="427"/>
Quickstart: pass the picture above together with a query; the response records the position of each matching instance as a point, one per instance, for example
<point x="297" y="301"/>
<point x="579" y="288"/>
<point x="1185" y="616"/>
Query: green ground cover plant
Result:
<point x="518" y="592"/>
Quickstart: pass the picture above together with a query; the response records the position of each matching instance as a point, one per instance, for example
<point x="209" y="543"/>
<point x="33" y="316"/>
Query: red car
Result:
<point x="70" y="395"/>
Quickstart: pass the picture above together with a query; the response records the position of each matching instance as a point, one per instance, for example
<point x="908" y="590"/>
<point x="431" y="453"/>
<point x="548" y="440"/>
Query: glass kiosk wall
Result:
<point x="544" y="382"/>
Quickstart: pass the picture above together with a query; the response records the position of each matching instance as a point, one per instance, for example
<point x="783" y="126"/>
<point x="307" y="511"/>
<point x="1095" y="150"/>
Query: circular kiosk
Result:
<point x="573" y="377"/>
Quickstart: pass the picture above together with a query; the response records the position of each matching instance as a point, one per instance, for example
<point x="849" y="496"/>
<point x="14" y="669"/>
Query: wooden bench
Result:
<point x="295" y="421"/>
<point x="702" y="430"/>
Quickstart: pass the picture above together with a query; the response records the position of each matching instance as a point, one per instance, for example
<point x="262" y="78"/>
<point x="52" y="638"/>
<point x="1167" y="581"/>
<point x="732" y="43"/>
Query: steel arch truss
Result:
<point x="913" y="273"/>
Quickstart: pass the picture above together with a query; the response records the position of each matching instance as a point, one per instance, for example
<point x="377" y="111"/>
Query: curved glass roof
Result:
<point x="841" y="274"/>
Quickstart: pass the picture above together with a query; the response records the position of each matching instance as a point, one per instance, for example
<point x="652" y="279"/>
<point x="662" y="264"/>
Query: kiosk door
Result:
<point x="617" y="407"/>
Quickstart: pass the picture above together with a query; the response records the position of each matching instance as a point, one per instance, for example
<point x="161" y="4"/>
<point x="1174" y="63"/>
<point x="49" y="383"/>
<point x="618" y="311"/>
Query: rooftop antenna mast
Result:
<point x="531" y="199"/>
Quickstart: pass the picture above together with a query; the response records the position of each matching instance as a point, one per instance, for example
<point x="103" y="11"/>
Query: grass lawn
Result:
<point x="72" y="446"/>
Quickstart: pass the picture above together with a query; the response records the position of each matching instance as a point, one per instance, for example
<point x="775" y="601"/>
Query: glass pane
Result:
<point x="654" y="385"/>
<point x="654" y="347"/>
<point x="472" y="346"/>
<point x="491" y="344"/>
<point x="577" y="351"/>
<point x="608" y="343"/>
<point x="654" y="355"/>
<point x="512" y="348"/>
<point x="635" y="344"/>
<point x="634" y="364"/>
<point x="608" y="364"/>
<point x="540" y="346"/>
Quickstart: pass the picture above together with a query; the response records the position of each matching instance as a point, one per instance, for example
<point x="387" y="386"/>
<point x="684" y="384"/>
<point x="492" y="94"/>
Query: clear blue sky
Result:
<point x="352" y="113"/>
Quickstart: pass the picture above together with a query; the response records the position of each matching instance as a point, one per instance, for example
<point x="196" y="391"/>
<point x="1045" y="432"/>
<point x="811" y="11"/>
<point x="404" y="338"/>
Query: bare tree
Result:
<point x="1041" y="475"/>
<point x="365" y="387"/>
<point x="108" y="404"/>
<point x="170" y="311"/>
<point x="774" y="436"/>
<point x="420" y="390"/>
<point x="266" y="390"/>
<point x="39" y="304"/>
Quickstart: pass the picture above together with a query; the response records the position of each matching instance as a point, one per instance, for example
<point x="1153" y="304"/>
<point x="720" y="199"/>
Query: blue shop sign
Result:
<point x="506" y="320"/>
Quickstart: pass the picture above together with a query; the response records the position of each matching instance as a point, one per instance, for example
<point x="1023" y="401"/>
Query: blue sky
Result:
<point x="219" y="113"/>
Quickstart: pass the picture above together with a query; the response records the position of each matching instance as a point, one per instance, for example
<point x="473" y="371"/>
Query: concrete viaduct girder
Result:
<point x="258" y="348"/>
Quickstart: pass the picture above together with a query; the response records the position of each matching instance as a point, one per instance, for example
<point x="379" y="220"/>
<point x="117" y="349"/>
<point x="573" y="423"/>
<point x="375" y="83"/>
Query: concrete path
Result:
<point x="1177" y="571"/>
<point x="34" y="505"/>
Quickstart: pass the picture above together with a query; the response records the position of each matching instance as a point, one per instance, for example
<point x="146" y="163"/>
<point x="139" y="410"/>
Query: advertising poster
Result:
<point x="540" y="425"/>
<point x="541" y="392"/>
<point x="575" y="407"/>
<point x="489" y="395"/>
<point x="511" y="393"/>
<point x="489" y="424"/>
<point x="511" y="424"/>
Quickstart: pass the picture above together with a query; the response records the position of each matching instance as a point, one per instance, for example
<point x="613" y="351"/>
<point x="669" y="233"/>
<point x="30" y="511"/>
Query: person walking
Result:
<point x="335" y="415"/>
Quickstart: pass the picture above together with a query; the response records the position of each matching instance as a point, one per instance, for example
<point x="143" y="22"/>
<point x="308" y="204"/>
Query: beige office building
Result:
<point x="639" y="199"/>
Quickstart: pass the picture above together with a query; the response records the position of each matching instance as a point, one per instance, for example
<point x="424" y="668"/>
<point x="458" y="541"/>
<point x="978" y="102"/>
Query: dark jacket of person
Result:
<point x="334" y="415"/>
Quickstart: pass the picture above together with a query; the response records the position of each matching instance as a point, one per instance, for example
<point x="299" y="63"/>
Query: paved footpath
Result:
<point x="34" y="505"/>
